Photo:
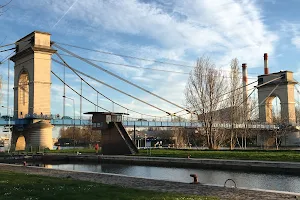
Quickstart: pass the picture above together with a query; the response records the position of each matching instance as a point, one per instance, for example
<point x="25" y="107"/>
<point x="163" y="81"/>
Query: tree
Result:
<point x="203" y="94"/>
<point x="235" y="100"/>
<point x="81" y="135"/>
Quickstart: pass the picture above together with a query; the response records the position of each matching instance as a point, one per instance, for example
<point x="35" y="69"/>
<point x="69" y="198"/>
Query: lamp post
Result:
<point x="11" y="111"/>
<point x="73" y="119"/>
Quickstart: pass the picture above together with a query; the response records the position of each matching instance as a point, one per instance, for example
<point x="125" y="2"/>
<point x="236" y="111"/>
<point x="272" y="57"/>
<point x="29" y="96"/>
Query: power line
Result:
<point x="65" y="64"/>
<point x="129" y="82"/>
<point x="77" y="92"/>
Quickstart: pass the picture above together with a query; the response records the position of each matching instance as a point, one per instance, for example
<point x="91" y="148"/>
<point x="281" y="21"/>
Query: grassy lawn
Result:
<point x="273" y="155"/>
<point x="268" y="155"/>
<point x="21" y="186"/>
<point x="81" y="150"/>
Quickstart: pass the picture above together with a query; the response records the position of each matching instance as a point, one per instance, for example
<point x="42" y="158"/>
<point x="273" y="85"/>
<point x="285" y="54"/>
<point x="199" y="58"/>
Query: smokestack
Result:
<point x="266" y="63"/>
<point x="245" y="90"/>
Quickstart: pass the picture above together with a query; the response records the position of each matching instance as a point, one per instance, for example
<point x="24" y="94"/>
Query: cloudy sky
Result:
<point x="177" y="31"/>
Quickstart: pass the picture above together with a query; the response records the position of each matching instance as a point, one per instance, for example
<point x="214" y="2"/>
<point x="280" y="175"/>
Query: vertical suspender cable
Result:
<point x="8" y="89"/>
<point x="117" y="76"/>
<point x="64" y="99"/>
<point x="97" y="100"/>
<point x="80" y="100"/>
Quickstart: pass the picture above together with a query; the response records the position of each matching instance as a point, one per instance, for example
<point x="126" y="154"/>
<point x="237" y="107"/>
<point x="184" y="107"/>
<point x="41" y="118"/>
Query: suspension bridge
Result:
<point x="31" y="113"/>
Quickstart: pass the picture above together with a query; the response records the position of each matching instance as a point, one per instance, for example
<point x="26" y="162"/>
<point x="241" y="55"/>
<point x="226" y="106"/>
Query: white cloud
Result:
<point x="296" y="41"/>
<point x="160" y="30"/>
<point x="291" y="31"/>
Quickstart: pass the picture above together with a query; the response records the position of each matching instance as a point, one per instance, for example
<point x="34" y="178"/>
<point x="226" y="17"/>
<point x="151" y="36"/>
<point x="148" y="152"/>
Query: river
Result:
<point x="276" y="182"/>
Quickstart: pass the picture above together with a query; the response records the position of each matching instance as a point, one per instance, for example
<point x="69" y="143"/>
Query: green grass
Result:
<point x="267" y="155"/>
<point x="22" y="186"/>
<point x="273" y="155"/>
<point x="85" y="150"/>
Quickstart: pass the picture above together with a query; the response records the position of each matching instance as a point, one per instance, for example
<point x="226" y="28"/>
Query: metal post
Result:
<point x="64" y="99"/>
<point x="73" y="119"/>
<point x="7" y="86"/>
<point x="80" y="101"/>
<point x="74" y="125"/>
<point x="134" y="133"/>
<point x="9" y="132"/>
<point x="97" y="101"/>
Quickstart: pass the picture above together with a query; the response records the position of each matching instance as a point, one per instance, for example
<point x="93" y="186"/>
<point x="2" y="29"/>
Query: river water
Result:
<point x="287" y="183"/>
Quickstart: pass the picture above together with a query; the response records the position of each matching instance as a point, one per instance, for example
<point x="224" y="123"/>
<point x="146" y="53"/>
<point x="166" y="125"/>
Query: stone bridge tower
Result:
<point x="284" y="91"/>
<point x="32" y="86"/>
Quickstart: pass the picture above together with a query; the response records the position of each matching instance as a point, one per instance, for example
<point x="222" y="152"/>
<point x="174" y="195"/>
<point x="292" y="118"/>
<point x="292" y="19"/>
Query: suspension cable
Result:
<point x="84" y="74"/>
<point x="77" y="92"/>
<point x="242" y="92"/>
<point x="7" y="57"/>
<point x="264" y="98"/>
<point x="6" y="45"/>
<point x="136" y="66"/>
<point x="119" y="77"/>
<point x="65" y="64"/>
<point x="125" y="56"/>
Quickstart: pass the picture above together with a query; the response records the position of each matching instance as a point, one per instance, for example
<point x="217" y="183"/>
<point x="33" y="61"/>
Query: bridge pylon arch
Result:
<point x="282" y="88"/>
<point x="32" y="88"/>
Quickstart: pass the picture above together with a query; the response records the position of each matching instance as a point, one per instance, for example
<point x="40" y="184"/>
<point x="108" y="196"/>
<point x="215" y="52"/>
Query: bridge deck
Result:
<point x="131" y="123"/>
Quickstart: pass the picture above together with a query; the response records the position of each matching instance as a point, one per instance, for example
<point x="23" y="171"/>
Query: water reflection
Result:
<point x="248" y="180"/>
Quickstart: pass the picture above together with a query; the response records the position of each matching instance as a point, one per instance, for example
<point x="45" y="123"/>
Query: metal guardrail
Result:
<point x="82" y="122"/>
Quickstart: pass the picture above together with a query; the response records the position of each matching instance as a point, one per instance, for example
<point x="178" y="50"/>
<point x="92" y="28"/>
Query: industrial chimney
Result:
<point x="245" y="90"/>
<point x="266" y="63"/>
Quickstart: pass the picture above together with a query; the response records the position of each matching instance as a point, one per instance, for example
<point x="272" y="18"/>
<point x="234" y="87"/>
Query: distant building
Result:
<point x="222" y="115"/>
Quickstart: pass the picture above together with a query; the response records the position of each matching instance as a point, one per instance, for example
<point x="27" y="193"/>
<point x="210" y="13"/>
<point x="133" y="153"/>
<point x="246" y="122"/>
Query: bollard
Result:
<point x="195" y="178"/>
<point x="24" y="163"/>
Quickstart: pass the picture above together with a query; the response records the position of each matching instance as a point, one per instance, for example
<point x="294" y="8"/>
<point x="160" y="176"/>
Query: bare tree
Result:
<point x="203" y="95"/>
<point x="83" y="135"/>
<point x="235" y="100"/>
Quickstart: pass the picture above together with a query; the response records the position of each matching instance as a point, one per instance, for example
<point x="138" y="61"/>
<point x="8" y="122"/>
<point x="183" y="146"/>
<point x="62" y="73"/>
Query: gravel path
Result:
<point x="150" y="184"/>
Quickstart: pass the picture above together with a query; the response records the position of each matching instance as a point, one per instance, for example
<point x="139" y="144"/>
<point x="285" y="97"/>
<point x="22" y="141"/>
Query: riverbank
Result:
<point x="149" y="184"/>
<point x="219" y="164"/>
<point x="261" y="155"/>
<point x="15" y="185"/>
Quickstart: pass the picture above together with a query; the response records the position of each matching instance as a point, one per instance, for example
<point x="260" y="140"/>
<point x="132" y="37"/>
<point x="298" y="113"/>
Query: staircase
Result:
<point x="126" y="138"/>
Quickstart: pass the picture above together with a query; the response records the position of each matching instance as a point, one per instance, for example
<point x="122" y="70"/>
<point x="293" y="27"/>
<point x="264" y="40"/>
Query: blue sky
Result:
<point x="173" y="31"/>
